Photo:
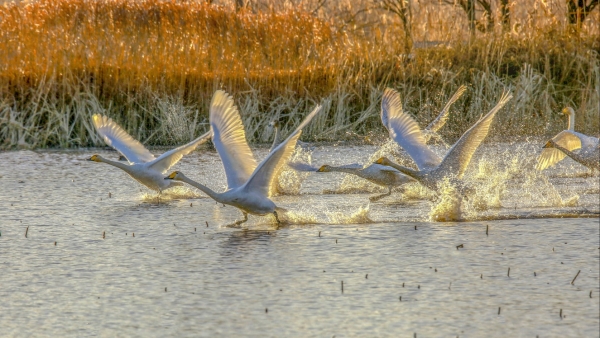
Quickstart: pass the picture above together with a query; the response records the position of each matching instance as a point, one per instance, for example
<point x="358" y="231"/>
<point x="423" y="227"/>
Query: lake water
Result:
<point x="176" y="269"/>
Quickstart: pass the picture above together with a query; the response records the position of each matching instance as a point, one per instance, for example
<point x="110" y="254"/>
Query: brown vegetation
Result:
<point x="153" y="66"/>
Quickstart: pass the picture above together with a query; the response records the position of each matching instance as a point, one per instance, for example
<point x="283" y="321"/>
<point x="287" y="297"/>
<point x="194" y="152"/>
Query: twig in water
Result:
<point x="415" y="227"/>
<point x="508" y="274"/>
<point x="534" y="275"/>
<point x="190" y="204"/>
<point x="319" y="234"/>
<point x="487" y="228"/>
<point x="590" y="294"/>
<point x="367" y="276"/>
<point x="400" y="299"/>
<point x="560" y="314"/>
<point x="194" y="229"/>
<point x="336" y="241"/>
<point x="402" y="284"/>
<point x="573" y="281"/>
<point x="109" y="195"/>
<point x="342" y="286"/>
<point x="481" y="276"/>
<point x="499" y="308"/>
<point x="103" y="234"/>
<point x="133" y="234"/>
<point x="266" y="310"/>
<point x="26" y="231"/>
<point x="165" y="289"/>
<point x="54" y="243"/>
<point x="460" y="246"/>
<point x="206" y="223"/>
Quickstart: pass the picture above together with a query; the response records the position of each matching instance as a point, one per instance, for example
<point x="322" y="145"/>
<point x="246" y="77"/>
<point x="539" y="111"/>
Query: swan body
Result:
<point x="431" y="168"/>
<point x="375" y="173"/>
<point x="248" y="184"/>
<point x="565" y="142"/>
<point x="141" y="164"/>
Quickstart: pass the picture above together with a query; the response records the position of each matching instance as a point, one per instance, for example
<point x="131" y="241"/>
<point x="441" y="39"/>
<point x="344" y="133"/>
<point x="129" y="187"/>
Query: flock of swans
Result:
<point x="249" y="184"/>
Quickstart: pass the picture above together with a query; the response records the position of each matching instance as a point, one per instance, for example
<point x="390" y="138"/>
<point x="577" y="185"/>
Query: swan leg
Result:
<point x="277" y="219"/>
<point x="378" y="197"/>
<point x="242" y="221"/>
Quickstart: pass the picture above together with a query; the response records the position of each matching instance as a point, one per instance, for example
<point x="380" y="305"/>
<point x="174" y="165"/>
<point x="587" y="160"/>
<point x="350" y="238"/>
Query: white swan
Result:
<point x="248" y="184"/>
<point x="376" y="173"/>
<point x="565" y="142"/>
<point x="433" y="127"/>
<point x="384" y="175"/>
<point x="432" y="169"/>
<point x="142" y="165"/>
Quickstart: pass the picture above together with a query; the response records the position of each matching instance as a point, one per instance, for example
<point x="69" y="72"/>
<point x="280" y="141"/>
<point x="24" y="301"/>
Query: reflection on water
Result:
<point x="219" y="281"/>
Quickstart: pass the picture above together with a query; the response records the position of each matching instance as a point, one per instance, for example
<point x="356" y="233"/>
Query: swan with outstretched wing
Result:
<point x="141" y="164"/>
<point x="248" y="184"/>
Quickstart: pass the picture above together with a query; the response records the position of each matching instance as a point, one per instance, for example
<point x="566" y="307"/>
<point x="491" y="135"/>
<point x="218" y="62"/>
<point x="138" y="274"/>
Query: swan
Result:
<point x="432" y="170"/>
<point x="248" y="184"/>
<point x="433" y="127"/>
<point x="565" y="142"/>
<point x="141" y="164"/>
<point x="375" y="173"/>
<point x="588" y="156"/>
<point x="384" y="175"/>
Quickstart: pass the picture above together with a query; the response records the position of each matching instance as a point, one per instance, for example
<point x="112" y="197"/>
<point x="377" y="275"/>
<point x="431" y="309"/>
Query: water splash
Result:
<point x="175" y="193"/>
<point x="289" y="181"/>
<point x="360" y="216"/>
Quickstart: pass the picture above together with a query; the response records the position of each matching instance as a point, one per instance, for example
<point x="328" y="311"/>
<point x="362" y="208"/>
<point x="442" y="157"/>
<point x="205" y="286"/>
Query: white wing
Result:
<point x="165" y="161"/>
<point x="440" y="121"/>
<point x="264" y="175"/>
<point x="229" y="138"/>
<point x="567" y="139"/>
<point x="458" y="157"/>
<point x="405" y="131"/>
<point x="118" y="138"/>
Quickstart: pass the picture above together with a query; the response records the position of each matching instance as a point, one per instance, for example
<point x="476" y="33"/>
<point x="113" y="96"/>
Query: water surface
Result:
<point x="160" y="270"/>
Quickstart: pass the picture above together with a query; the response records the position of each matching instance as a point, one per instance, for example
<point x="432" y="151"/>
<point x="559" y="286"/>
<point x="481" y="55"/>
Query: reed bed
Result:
<point x="153" y="66"/>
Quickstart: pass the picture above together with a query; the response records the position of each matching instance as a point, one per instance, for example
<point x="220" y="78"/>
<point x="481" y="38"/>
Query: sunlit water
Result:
<point x="161" y="271"/>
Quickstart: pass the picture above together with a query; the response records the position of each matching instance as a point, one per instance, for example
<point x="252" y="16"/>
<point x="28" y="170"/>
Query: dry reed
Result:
<point x="153" y="66"/>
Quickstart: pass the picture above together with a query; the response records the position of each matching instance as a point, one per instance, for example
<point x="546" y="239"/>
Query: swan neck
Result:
<point x="344" y="170"/>
<point x="120" y="165"/>
<point x="214" y="195"/>
<point x="407" y="171"/>
<point x="571" y="125"/>
<point x="275" y="139"/>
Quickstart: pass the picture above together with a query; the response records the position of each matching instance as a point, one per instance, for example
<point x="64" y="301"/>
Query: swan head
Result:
<point x="176" y="175"/>
<point x="383" y="161"/>
<point x="549" y="144"/>
<point x="94" y="158"/>
<point x="324" y="169"/>
<point x="568" y="111"/>
<point x="274" y="124"/>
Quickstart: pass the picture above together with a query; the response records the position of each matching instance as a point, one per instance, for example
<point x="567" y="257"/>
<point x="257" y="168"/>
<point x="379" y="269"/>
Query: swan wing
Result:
<point x="165" y="161"/>
<point x="118" y="138"/>
<point x="266" y="171"/>
<point x="567" y="139"/>
<point x="440" y="121"/>
<point x="405" y="131"/>
<point x="458" y="157"/>
<point x="229" y="139"/>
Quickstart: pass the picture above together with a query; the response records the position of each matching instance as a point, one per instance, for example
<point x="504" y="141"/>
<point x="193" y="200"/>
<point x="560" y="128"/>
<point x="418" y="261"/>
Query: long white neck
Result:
<point x="120" y="165"/>
<point x="344" y="170"/>
<point x="571" y="125"/>
<point x="275" y="139"/>
<point x="213" y="194"/>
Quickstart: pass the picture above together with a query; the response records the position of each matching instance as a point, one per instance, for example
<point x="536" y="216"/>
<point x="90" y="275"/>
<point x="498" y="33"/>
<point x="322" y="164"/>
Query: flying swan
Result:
<point x="248" y="184"/>
<point x="432" y="169"/>
<point x="141" y="164"/>
<point x="565" y="142"/>
<point x="386" y="176"/>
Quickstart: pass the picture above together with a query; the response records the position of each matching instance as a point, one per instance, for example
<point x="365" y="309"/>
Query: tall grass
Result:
<point x="153" y="66"/>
